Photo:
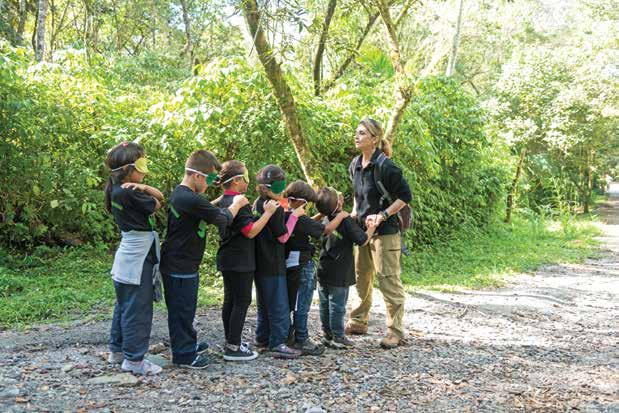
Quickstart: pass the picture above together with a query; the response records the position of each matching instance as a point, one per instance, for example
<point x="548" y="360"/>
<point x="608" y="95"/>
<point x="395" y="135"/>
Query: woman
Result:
<point x="381" y="256"/>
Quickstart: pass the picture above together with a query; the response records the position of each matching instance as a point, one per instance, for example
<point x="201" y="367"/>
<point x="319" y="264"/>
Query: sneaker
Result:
<point x="284" y="352"/>
<point x="200" y="362"/>
<point x="202" y="347"/>
<point x="143" y="367"/>
<point x="356" y="328"/>
<point x="115" y="357"/>
<point x="326" y="339"/>
<point x="310" y="348"/>
<point x="390" y="341"/>
<point x="342" y="342"/>
<point x="239" y="353"/>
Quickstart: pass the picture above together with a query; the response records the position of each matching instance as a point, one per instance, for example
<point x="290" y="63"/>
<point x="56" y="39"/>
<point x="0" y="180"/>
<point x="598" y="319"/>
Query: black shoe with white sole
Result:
<point x="239" y="353"/>
<point x="202" y="347"/>
<point x="200" y="362"/>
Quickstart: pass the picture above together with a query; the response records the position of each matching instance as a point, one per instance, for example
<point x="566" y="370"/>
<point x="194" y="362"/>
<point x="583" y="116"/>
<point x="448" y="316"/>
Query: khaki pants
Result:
<point x="381" y="256"/>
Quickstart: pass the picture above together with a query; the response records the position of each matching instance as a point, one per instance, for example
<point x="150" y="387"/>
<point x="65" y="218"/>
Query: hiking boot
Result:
<point x="202" y="347"/>
<point x="356" y="328"/>
<point x="115" y="357"/>
<point x="326" y="339"/>
<point x="284" y="352"/>
<point x="200" y="362"/>
<point x="143" y="367"/>
<point x="310" y="348"/>
<point x="239" y="353"/>
<point x="342" y="342"/>
<point x="390" y="341"/>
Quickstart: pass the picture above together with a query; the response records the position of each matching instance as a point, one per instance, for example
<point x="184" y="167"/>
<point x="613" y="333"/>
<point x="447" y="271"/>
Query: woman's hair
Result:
<point x="203" y="161"/>
<point x="327" y="199"/>
<point x="228" y="170"/>
<point x="120" y="155"/>
<point x="301" y="189"/>
<point x="267" y="176"/>
<point x="377" y="131"/>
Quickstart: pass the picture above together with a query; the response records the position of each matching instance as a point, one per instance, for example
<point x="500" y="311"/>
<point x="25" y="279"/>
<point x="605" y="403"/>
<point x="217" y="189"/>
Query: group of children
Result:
<point x="269" y="244"/>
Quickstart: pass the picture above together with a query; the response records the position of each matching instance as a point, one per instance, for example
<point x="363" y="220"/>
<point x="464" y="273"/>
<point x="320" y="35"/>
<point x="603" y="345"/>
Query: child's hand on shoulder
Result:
<point x="299" y="212"/>
<point x="134" y="186"/>
<point x="240" y="200"/>
<point x="271" y="206"/>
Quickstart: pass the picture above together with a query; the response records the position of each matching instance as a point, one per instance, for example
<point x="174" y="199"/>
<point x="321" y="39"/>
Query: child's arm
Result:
<point x="238" y="202"/>
<point x="291" y="223"/>
<point x="147" y="189"/>
<point x="318" y="217"/>
<point x="370" y="232"/>
<point x="250" y="231"/>
<point x="333" y="224"/>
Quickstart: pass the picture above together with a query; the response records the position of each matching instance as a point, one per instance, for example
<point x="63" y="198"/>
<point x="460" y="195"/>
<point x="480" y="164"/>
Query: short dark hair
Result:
<point x="301" y="189"/>
<point x="327" y="199"/>
<point x="228" y="170"/>
<point x="203" y="161"/>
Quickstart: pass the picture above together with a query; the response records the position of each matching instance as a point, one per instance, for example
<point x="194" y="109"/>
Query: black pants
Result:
<point x="181" y="298"/>
<point x="237" y="298"/>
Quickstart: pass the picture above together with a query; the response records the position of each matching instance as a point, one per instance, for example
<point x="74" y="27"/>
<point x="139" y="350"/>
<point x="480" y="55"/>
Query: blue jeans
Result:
<point x="273" y="314"/>
<point x="181" y="299"/>
<point x="133" y="314"/>
<point x="333" y="309"/>
<point x="305" y="292"/>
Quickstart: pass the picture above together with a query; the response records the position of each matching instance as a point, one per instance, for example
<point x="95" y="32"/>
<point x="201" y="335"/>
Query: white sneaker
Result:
<point x="115" y="357"/>
<point x="143" y="367"/>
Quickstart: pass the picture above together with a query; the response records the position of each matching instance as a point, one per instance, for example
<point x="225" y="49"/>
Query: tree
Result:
<point x="40" y="31"/>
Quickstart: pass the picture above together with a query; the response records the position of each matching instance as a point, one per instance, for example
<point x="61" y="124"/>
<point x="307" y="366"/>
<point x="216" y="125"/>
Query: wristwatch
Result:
<point x="385" y="215"/>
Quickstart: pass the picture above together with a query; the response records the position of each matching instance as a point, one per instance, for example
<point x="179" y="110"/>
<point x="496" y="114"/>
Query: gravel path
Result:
<point x="546" y="342"/>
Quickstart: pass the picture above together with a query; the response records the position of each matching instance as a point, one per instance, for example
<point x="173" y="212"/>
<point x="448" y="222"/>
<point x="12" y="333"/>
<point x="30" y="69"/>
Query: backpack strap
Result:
<point x="378" y="173"/>
<point x="353" y="166"/>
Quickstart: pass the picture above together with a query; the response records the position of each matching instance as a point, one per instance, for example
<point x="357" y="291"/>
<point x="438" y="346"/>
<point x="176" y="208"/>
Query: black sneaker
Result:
<point x="239" y="353"/>
<point x="200" y="362"/>
<point x="342" y="342"/>
<point x="202" y="347"/>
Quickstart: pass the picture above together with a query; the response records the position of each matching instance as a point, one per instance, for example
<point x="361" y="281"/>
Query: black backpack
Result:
<point x="405" y="215"/>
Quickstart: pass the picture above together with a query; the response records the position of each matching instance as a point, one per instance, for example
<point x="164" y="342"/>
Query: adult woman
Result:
<point x="381" y="256"/>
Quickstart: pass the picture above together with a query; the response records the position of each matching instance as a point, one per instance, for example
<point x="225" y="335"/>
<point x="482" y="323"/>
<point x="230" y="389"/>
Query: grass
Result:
<point x="483" y="258"/>
<point x="53" y="284"/>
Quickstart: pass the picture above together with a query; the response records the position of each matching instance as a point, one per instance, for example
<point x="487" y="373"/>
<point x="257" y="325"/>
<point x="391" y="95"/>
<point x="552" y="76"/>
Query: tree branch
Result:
<point x="321" y="45"/>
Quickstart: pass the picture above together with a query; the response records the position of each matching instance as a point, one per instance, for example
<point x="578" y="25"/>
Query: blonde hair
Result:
<point x="377" y="131"/>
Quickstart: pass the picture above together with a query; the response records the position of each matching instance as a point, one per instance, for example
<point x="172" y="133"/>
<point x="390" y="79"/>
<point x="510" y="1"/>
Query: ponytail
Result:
<point x="107" y="200"/>
<point x="377" y="131"/>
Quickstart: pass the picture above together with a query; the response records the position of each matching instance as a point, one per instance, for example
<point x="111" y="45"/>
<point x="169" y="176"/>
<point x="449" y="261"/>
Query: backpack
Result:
<point x="405" y="215"/>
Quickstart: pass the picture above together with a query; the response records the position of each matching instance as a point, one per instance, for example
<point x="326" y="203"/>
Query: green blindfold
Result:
<point x="277" y="187"/>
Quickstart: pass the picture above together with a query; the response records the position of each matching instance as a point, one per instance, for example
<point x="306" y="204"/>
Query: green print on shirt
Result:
<point x="202" y="229"/>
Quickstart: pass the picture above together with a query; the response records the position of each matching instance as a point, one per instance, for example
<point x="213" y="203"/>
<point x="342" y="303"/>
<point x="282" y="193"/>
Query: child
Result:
<point x="236" y="259"/>
<point x="134" y="271"/>
<point x="336" y="270"/>
<point x="182" y="251"/>
<point x="273" y="316"/>
<point x="300" y="266"/>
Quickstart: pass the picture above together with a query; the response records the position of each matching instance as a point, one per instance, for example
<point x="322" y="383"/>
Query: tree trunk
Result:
<point x="281" y="91"/>
<point x="188" y="47"/>
<point x="589" y="187"/>
<point x="40" y="43"/>
<point x="451" y="64"/>
<point x="321" y="46"/>
<point x="23" y="16"/>
<point x="514" y="187"/>
<point x="340" y="71"/>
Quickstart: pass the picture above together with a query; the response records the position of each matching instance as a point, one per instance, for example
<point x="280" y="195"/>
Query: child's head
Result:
<point x="201" y="169"/>
<point x="233" y="176"/>
<point x="271" y="182"/>
<point x="300" y="193"/>
<point x="127" y="163"/>
<point x="329" y="201"/>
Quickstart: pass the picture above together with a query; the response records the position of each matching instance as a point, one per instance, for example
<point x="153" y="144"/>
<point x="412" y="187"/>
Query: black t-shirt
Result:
<point x="188" y="215"/>
<point x="367" y="195"/>
<point x="270" y="253"/>
<point x="132" y="209"/>
<point x="236" y="251"/>
<point x="299" y="240"/>
<point x="336" y="265"/>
